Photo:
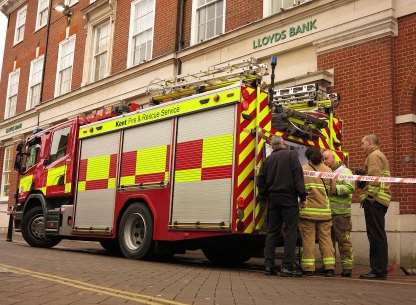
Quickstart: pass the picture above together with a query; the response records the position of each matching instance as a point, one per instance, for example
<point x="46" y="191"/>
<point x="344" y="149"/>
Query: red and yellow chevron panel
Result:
<point x="97" y="173"/>
<point x="256" y="113"/>
<point x="204" y="159"/>
<point x="145" y="165"/>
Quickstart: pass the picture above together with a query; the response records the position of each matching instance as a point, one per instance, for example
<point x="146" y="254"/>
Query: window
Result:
<point x="101" y="50"/>
<point x="141" y="31"/>
<point x="208" y="20"/>
<point x="64" y="68"/>
<point x="42" y="15"/>
<point x="19" y="31"/>
<point x="5" y="176"/>
<point x="35" y="83"/>
<point x="12" y="91"/>
<point x="59" y="144"/>
<point x="71" y="2"/>
<point x="275" y="6"/>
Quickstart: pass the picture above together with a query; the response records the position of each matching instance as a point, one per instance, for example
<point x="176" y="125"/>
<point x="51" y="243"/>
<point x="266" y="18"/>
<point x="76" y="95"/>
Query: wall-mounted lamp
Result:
<point x="65" y="10"/>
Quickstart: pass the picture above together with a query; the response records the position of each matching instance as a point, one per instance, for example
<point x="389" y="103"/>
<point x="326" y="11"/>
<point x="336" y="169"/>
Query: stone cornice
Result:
<point x="91" y="88"/>
<point x="386" y="26"/>
<point x="8" y="6"/>
<point x="261" y="26"/>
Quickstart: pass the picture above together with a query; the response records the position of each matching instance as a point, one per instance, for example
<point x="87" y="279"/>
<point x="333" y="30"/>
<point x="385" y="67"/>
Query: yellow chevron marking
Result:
<point x="243" y="175"/>
<point x="246" y="131"/>
<point x="250" y="90"/>
<point x="249" y="228"/>
<point x="263" y="114"/>
<point x="246" y="151"/>
<point x="249" y="188"/>
<point x="248" y="210"/>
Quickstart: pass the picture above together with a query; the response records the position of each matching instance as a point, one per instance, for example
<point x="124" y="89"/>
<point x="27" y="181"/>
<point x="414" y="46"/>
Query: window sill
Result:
<point x="17" y="42"/>
<point x="39" y="28"/>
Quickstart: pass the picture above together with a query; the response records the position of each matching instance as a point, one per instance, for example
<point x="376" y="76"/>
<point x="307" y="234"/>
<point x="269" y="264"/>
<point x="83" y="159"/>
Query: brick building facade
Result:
<point x="366" y="51"/>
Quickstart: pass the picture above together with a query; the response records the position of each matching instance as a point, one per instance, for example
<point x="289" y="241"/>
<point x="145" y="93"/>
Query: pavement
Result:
<point x="76" y="272"/>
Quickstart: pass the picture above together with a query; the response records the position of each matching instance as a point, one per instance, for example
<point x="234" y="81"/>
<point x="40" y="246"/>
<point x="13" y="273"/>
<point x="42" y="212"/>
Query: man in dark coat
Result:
<point x="281" y="184"/>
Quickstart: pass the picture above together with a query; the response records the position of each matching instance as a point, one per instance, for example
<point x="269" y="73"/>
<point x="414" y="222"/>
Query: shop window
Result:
<point x="12" y="91"/>
<point x="142" y="18"/>
<point x="5" y="176"/>
<point x="207" y="19"/>
<point x="19" y="31"/>
<point x="35" y="82"/>
<point x="64" y="67"/>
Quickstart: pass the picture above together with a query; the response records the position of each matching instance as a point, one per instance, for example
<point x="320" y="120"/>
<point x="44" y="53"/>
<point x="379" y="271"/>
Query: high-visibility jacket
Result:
<point x="376" y="164"/>
<point x="317" y="202"/>
<point x="340" y="200"/>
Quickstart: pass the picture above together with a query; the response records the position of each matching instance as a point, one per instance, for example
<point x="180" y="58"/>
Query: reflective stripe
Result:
<point x="98" y="168"/>
<point x="227" y="96"/>
<point x="127" y="180"/>
<point x="25" y="183"/>
<point x="329" y="260"/>
<point x="217" y="151"/>
<point x="308" y="261"/>
<point x="151" y="160"/>
<point x="188" y="175"/>
<point x="81" y="186"/>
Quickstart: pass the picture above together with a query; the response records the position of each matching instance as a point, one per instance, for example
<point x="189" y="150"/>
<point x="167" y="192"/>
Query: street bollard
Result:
<point x="10" y="229"/>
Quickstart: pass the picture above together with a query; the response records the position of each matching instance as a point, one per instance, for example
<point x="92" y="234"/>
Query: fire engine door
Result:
<point x="96" y="190"/>
<point x="203" y="184"/>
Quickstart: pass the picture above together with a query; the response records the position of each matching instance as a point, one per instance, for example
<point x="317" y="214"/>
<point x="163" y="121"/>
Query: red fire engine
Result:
<point x="174" y="176"/>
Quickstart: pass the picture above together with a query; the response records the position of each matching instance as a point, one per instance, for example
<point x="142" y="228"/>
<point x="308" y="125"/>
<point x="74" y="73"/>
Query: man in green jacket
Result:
<point x="375" y="198"/>
<point x="340" y="201"/>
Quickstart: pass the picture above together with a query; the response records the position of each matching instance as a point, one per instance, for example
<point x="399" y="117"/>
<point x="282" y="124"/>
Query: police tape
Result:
<point x="337" y="176"/>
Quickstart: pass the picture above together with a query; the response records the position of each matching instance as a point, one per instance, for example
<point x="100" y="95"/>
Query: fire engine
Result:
<point x="177" y="175"/>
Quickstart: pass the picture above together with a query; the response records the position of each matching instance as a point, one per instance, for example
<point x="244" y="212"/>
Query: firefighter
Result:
<point x="375" y="198"/>
<point x="340" y="202"/>
<point x="281" y="184"/>
<point x="315" y="217"/>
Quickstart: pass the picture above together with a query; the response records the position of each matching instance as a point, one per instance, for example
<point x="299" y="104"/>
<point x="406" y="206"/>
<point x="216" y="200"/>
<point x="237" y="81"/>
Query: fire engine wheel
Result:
<point x="33" y="229"/>
<point x="136" y="232"/>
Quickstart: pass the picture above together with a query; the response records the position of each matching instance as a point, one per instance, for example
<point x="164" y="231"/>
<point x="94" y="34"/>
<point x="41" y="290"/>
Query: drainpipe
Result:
<point x="179" y="30"/>
<point x="48" y="25"/>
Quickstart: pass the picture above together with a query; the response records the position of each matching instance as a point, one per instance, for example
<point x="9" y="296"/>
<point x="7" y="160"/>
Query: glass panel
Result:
<point x="34" y="95"/>
<point x="59" y="144"/>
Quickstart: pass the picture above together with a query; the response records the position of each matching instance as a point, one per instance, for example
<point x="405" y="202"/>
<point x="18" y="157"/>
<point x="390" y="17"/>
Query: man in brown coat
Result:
<point x="375" y="198"/>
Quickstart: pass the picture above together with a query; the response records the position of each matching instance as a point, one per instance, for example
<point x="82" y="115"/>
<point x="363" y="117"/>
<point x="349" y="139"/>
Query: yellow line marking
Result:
<point x="122" y="294"/>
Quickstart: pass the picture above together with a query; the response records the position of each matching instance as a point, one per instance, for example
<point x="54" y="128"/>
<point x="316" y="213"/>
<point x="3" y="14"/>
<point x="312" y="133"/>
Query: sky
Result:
<point x="3" y="28"/>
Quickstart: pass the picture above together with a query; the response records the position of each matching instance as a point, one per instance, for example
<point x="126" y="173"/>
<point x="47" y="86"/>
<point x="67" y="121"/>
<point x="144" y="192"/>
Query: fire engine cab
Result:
<point x="177" y="175"/>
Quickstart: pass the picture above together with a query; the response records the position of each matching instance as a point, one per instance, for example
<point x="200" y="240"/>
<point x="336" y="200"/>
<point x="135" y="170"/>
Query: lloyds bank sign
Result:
<point x="282" y="35"/>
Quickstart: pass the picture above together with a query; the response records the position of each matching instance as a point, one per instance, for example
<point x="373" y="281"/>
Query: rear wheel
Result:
<point x="33" y="229"/>
<point x="136" y="232"/>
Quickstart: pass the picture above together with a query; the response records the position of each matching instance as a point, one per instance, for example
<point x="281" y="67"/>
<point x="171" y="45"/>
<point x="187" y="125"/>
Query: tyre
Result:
<point x="111" y="246"/>
<point x="33" y="229"/>
<point x="223" y="256"/>
<point x="135" y="233"/>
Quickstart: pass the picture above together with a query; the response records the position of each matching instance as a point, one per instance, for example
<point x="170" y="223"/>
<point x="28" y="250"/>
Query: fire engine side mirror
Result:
<point x="18" y="162"/>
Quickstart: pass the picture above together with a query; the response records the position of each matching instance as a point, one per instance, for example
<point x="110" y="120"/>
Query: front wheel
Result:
<point x="33" y="229"/>
<point x="135" y="233"/>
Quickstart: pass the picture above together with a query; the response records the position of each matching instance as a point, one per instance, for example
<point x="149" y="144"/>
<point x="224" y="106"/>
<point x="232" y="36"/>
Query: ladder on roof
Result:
<point x="215" y="77"/>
